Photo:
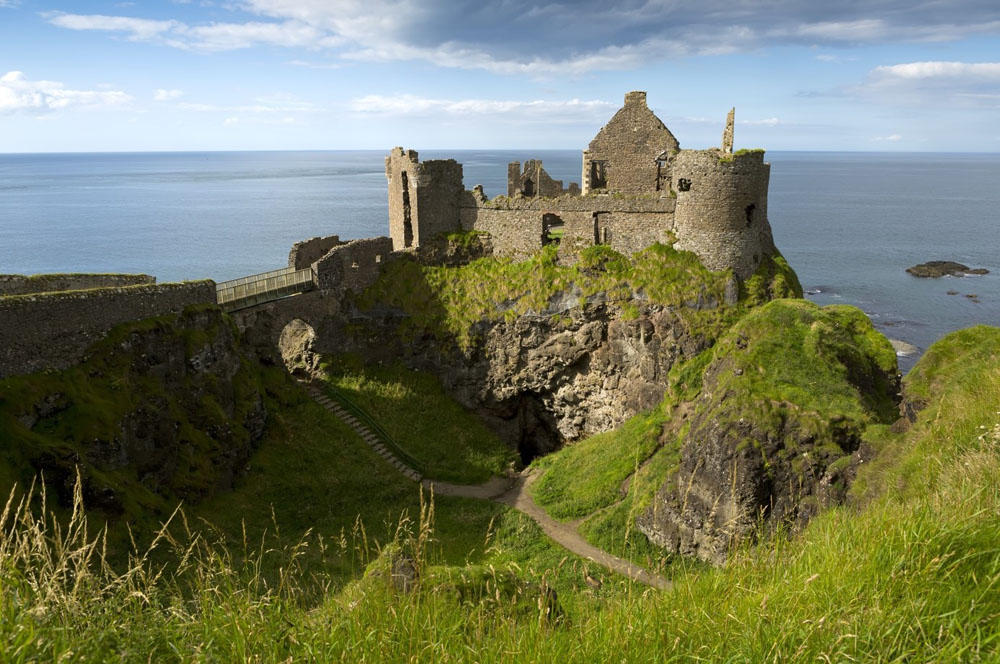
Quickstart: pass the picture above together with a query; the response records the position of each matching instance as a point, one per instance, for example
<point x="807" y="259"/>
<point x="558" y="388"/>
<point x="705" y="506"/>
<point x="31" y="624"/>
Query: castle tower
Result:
<point x="721" y="212"/>
<point x="423" y="197"/>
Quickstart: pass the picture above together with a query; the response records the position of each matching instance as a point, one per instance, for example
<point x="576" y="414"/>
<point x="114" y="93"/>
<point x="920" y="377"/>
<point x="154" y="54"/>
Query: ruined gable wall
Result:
<point x="630" y="144"/>
<point x="307" y="252"/>
<point x="722" y="208"/>
<point x="54" y="330"/>
<point x="352" y="266"/>
<point x="19" y="284"/>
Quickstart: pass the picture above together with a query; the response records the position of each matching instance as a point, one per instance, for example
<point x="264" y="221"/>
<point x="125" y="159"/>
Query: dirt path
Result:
<point x="514" y="492"/>
<point x="508" y="491"/>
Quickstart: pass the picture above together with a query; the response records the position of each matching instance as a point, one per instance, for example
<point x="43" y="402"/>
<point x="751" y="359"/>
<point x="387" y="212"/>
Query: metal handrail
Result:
<point x="261" y="288"/>
<point x="377" y="429"/>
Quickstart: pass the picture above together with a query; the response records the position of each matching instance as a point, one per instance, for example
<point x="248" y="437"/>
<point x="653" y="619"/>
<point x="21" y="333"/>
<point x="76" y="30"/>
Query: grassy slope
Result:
<point x="413" y="408"/>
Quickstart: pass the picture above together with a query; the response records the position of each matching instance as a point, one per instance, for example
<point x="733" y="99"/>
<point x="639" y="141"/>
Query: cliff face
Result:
<point x="774" y="433"/>
<point x="549" y="353"/>
<point x="162" y="409"/>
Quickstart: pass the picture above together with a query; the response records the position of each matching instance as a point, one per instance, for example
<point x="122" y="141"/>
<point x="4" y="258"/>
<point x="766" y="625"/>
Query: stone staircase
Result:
<point x="373" y="440"/>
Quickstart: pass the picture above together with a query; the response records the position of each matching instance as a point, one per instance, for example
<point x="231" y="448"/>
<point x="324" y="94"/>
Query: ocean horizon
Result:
<point x="849" y="223"/>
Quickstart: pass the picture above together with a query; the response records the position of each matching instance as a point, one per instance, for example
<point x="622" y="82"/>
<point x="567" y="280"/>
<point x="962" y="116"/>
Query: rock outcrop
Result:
<point x="934" y="269"/>
<point x="775" y="430"/>
<point x="164" y="408"/>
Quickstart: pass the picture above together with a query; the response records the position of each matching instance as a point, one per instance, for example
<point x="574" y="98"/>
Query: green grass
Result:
<point x="452" y="443"/>
<point x="907" y="575"/>
<point x="449" y="302"/>
<point x="588" y="475"/>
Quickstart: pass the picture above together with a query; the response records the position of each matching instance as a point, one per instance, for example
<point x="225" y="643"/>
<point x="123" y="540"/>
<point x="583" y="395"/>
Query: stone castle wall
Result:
<point x="307" y="252"/>
<point x="54" y="330"/>
<point x="18" y="284"/>
<point x="722" y="208"/>
<point x="352" y="266"/>
<point x="517" y="225"/>
<point x="428" y="191"/>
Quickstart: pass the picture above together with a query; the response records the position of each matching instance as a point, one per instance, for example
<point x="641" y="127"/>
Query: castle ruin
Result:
<point x="638" y="188"/>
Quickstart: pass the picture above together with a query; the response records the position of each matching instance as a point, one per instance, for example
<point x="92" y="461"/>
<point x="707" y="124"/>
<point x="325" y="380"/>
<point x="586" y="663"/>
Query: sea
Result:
<point x="849" y="223"/>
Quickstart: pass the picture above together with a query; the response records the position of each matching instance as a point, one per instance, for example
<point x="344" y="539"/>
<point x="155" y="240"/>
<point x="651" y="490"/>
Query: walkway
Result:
<point x="508" y="491"/>
<point x="264" y="287"/>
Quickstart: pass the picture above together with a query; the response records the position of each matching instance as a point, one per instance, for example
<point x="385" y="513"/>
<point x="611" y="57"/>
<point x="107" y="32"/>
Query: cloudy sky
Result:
<point x="357" y="74"/>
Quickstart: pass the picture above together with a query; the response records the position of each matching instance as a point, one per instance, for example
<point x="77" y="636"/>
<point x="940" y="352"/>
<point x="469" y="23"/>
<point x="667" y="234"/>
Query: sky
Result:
<point x="867" y="75"/>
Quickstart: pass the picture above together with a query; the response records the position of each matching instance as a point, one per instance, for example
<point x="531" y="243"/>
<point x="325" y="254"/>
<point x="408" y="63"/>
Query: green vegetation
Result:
<point x="412" y="407"/>
<point x="82" y="408"/>
<point x="911" y="574"/>
<point x="448" y="302"/>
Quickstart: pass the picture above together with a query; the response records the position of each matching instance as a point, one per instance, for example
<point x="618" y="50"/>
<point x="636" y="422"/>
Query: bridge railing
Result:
<point x="264" y="287"/>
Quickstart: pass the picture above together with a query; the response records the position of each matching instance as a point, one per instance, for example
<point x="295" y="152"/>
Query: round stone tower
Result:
<point x="721" y="212"/>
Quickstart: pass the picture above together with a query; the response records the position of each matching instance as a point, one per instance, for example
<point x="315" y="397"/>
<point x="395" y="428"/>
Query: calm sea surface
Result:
<point x="849" y="223"/>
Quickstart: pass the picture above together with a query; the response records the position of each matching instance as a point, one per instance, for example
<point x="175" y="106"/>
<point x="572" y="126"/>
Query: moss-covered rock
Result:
<point x="784" y="398"/>
<point x="163" y="409"/>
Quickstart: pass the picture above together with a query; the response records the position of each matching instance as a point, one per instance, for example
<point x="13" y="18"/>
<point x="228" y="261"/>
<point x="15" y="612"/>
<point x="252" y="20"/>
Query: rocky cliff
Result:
<point x="548" y="353"/>
<point x="164" y="409"/>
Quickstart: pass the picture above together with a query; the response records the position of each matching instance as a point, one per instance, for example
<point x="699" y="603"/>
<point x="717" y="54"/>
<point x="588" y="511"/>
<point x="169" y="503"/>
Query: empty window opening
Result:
<point x="552" y="229"/>
<point x="354" y="265"/>
<point x="407" y="223"/>
<point x="528" y="188"/>
<point x="748" y="210"/>
<point x="683" y="184"/>
<point x="598" y="175"/>
<point x="662" y="175"/>
<point x="378" y="258"/>
<point x="601" y="227"/>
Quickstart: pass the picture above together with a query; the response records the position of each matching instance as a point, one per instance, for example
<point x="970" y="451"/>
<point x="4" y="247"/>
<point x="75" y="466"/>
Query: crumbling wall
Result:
<point x="352" y="266"/>
<point x="307" y="252"/>
<point x="18" y="284"/>
<point x="423" y="197"/>
<point x="534" y="181"/>
<point x="722" y="208"/>
<point x="624" y="156"/>
<point x="54" y="330"/>
<point x="626" y="224"/>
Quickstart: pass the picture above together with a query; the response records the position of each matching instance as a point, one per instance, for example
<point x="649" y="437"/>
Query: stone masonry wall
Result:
<point x="630" y="144"/>
<point x="439" y="192"/>
<point x="54" y="330"/>
<point x="625" y="223"/>
<point x="307" y="252"/>
<point x="17" y="284"/>
<point x="542" y="184"/>
<point x="352" y="266"/>
<point x="423" y="197"/>
<point x="722" y="208"/>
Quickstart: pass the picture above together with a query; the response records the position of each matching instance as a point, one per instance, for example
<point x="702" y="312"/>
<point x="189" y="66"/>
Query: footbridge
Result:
<point x="264" y="287"/>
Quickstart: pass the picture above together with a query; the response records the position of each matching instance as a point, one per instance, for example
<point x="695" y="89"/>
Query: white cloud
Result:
<point x="9" y="3"/>
<point x="137" y="28"/>
<point x="521" y="111"/>
<point x="970" y="84"/>
<point x="516" y="36"/>
<point x="767" y="122"/>
<point x="18" y="94"/>
<point x="161" y="94"/>
<point x="891" y="138"/>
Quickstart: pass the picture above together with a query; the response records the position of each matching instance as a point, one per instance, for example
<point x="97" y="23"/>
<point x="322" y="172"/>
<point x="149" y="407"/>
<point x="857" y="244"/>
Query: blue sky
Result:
<point x="371" y="74"/>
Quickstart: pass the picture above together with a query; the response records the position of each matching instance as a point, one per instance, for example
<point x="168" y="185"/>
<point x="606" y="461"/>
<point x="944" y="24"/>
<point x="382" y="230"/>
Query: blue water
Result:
<point x="849" y="223"/>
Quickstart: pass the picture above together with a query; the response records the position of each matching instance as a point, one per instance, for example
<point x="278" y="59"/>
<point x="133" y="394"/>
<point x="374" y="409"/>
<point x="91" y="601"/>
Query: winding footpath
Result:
<point x="512" y="491"/>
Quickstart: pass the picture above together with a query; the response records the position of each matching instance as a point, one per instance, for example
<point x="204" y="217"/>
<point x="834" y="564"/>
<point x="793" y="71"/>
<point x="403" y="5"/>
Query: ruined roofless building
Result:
<point x="639" y="188"/>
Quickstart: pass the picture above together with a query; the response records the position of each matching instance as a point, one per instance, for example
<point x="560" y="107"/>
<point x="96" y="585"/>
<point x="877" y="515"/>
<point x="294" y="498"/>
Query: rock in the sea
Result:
<point x="903" y="348"/>
<point x="944" y="268"/>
